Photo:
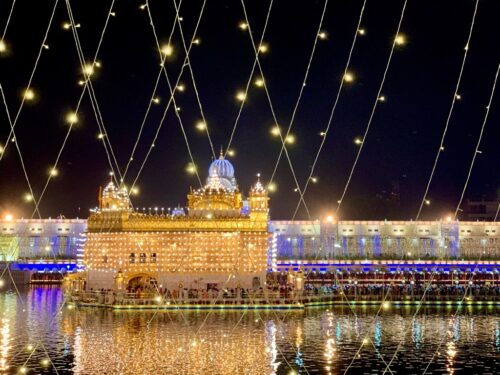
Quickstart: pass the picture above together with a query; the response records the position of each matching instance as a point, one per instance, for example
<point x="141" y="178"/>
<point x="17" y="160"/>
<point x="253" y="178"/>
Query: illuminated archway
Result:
<point x="142" y="280"/>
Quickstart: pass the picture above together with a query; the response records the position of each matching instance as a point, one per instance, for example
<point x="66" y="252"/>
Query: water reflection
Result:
<point x="91" y="341"/>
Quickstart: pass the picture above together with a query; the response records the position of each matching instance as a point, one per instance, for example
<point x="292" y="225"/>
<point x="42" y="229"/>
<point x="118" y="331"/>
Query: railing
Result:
<point x="268" y="298"/>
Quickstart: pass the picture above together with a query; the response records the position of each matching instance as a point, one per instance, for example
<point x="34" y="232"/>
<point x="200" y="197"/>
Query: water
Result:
<point x="320" y="341"/>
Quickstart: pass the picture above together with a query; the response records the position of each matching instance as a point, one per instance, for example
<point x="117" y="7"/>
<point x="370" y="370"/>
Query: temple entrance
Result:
<point x="142" y="283"/>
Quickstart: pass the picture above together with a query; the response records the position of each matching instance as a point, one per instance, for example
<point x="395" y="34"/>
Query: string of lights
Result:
<point x="477" y="151"/>
<point x="196" y="41"/>
<point x="317" y="37"/>
<point x="271" y="106"/>
<point x="3" y="46"/>
<point x="425" y="199"/>
<point x="241" y="96"/>
<point x="30" y="196"/>
<point x="172" y="100"/>
<point x="334" y="107"/>
<point x="399" y="40"/>
<point x="155" y="89"/>
<point x="28" y="93"/>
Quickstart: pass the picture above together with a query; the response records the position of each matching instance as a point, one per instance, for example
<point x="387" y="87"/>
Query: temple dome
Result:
<point x="222" y="167"/>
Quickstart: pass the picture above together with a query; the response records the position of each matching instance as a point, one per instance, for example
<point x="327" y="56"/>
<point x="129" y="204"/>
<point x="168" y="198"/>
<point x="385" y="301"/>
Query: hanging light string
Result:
<point x="375" y="105"/>
<point x="268" y="96"/>
<point x="496" y="215"/>
<point x="35" y="66"/>
<point x="240" y="110"/>
<point x="171" y="100"/>
<point x="332" y="112"/>
<point x="21" y="159"/>
<point x="302" y="87"/>
<point x="476" y="151"/>
<point x="8" y="21"/>
<point x="72" y="121"/>
<point x="188" y="62"/>
<point x="448" y="118"/>
<point x="115" y="168"/>
<point x="153" y="94"/>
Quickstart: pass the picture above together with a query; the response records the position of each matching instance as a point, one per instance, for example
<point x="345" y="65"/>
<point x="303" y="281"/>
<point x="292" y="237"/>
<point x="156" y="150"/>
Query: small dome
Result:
<point x="222" y="167"/>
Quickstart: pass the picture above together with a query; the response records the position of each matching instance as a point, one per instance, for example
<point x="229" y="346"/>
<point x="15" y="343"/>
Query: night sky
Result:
<point x="399" y="151"/>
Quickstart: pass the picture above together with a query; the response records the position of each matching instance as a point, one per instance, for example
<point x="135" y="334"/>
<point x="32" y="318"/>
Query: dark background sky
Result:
<point x="399" y="150"/>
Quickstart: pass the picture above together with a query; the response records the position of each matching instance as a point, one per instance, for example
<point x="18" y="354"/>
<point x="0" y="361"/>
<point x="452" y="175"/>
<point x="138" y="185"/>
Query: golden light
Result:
<point x="45" y="362"/>
<point x="181" y="87"/>
<point x="2" y="283"/>
<point x="448" y="219"/>
<point x="358" y="141"/>
<point x="330" y="218"/>
<point x="259" y="82"/>
<point x="361" y="31"/>
<point x="427" y="202"/>
<point x="98" y="64"/>
<point x="365" y="341"/>
<point x="263" y="48"/>
<point x="191" y="168"/>
<point x="272" y="187"/>
<point x="29" y="94"/>
<point x="143" y="6"/>
<point x="134" y="190"/>
<point x="72" y="118"/>
<point x="458" y="97"/>
<point x="3" y="46"/>
<point x="8" y="217"/>
<point x="241" y="96"/>
<point x="275" y="131"/>
<point x="81" y="82"/>
<point x="322" y="134"/>
<point x="400" y="40"/>
<point x="197" y="41"/>
<point x="66" y="25"/>
<point x="28" y="197"/>
<point x="167" y="50"/>
<point x="88" y="70"/>
<point x="53" y="172"/>
<point x="290" y="139"/>
<point x="314" y="179"/>
<point x="386" y="305"/>
<point x="348" y="77"/>
<point x="100" y="136"/>
<point x="200" y="125"/>
<point x="29" y="348"/>
<point x="46" y="46"/>
<point x="231" y="152"/>
<point x="156" y="100"/>
<point x="243" y="25"/>
<point x="23" y="370"/>
<point x="47" y="248"/>
<point x="381" y="98"/>
<point x="1" y="149"/>
<point x="323" y="35"/>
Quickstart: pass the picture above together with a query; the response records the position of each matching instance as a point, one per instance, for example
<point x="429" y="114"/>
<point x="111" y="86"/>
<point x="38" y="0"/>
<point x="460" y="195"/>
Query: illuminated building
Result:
<point x="29" y="239"/>
<point x="220" y="240"/>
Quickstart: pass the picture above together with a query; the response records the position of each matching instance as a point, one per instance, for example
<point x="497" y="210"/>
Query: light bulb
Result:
<point x="348" y="77"/>
<point x="29" y="94"/>
<point x="167" y="50"/>
<point x="72" y="118"/>
<point x="241" y="96"/>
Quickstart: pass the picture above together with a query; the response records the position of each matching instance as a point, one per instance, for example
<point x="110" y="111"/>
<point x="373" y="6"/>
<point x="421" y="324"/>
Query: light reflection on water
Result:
<point x="95" y="341"/>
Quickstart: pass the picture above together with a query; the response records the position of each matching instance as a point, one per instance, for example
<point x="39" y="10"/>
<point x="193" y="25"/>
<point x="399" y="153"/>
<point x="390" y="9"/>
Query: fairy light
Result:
<point x="241" y="96"/>
<point x="197" y="41"/>
<point x="66" y="26"/>
<point x="400" y="40"/>
<point x="98" y="64"/>
<point x="134" y="190"/>
<point x="45" y="46"/>
<point x="349" y="77"/>
<point x="290" y="139"/>
<point x="88" y="70"/>
<point x="81" y="82"/>
<point x="358" y="141"/>
<point x="243" y="25"/>
<point x="72" y="118"/>
<point x="3" y="46"/>
<point x="323" y="35"/>
<point x="2" y="283"/>
<point x="263" y="48"/>
<point x="143" y="6"/>
<point x="314" y="180"/>
<point x="191" y="168"/>
<point x="181" y="87"/>
<point x="231" y="152"/>
<point x="45" y="362"/>
<point x="2" y="149"/>
<point x="427" y="202"/>
<point x="458" y="96"/>
<point x="8" y="217"/>
<point x="29" y="348"/>
<point x="386" y="305"/>
<point x="53" y="172"/>
<point x="156" y="100"/>
<point x="29" y="94"/>
<point x="100" y="136"/>
<point x="275" y="131"/>
<point x="201" y="125"/>
<point x="259" y="82"/>
<point x="167" y="50"/>
<point x="381" y="98"/>
<point x="28" y="197"/>
<point x="362" y="31"/>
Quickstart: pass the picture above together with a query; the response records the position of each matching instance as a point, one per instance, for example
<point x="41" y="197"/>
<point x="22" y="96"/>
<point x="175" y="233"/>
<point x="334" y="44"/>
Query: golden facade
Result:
<point x="219" y="239"/>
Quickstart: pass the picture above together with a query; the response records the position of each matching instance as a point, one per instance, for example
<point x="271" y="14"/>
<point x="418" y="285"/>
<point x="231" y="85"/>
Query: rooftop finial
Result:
<point x="221" y="152"/>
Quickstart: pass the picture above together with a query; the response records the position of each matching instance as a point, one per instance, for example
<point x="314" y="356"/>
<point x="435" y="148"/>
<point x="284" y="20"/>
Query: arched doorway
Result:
<point x="143" y="282"/>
